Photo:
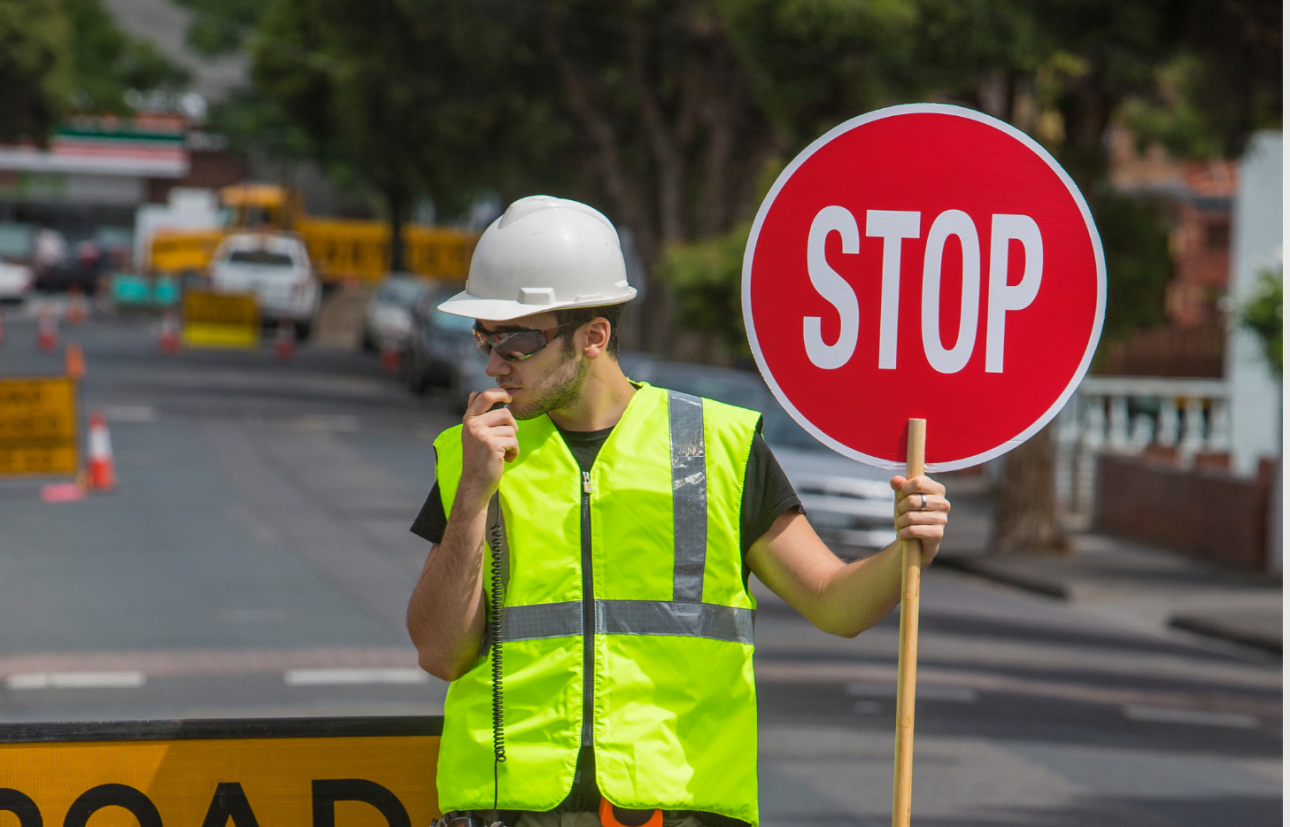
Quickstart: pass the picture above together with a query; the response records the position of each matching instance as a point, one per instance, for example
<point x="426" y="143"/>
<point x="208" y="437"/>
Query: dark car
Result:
<point x="440" y="351"/>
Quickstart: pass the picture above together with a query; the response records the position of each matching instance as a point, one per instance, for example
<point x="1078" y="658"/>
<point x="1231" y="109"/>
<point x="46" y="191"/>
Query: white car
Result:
<point x="15" y="281"/>
<point x="273" y="266"/>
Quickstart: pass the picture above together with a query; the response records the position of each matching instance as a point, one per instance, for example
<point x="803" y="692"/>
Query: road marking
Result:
<point x="350" y="677"/>
<point x="931" y="692"/>
<point x="341" y="423"/>
<point x="75" y="680"/>
<point x="1165" y="715"/>
<point x="196" y="662"/>
<point x="770" y="670"/>
<point x="130" y="413"/>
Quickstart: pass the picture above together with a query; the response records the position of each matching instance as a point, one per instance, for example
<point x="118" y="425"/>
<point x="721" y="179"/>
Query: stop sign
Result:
<point x="923" y="261"/>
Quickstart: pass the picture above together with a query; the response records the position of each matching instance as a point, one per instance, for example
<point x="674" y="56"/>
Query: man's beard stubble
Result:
<point x="561" y="389"/>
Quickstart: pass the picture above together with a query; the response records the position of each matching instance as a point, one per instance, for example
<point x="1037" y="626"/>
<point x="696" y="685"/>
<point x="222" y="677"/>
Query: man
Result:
<point x="631" y="518"/>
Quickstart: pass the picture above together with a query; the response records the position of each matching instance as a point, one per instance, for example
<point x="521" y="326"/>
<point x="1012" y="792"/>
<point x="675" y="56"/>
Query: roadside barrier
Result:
<point x="102" y="470"/>
<point x="329" y="772"/>
<point x="39" y="431"/>
<point x="75" y="361"/>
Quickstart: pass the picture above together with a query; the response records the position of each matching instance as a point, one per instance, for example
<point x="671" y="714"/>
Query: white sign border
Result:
<point x="938" y="109"/>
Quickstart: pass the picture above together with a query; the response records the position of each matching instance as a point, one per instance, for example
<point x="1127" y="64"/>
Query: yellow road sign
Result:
<point x="220" y="319"/>
<point x="302" y="772"/>
<point x="38" y="425"/>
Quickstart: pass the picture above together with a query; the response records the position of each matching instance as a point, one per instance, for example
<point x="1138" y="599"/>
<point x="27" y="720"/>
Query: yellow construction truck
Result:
<point x="340" y="249"/>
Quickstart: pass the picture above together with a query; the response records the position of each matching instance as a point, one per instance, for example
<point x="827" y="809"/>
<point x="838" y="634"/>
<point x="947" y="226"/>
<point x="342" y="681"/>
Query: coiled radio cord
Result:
<point x="496" y="605"/>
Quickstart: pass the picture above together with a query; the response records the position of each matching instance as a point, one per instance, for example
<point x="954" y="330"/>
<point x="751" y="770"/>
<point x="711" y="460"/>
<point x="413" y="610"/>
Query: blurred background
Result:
<point x="229" y="223"/>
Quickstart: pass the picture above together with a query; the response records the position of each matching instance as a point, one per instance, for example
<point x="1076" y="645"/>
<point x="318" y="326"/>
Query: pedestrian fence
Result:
<point x="1185" y="421"/>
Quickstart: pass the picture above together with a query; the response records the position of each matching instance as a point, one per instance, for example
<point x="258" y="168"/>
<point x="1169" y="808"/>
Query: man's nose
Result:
<point x="497" y="366"/>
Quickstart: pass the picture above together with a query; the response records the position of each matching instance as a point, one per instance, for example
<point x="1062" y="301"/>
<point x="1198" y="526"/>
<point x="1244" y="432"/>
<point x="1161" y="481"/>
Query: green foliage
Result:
<point x="1174" y="117"/>
<point x="1262" y="314"/>
<point x="1138" y="265"/>
<point x="107" y="62"/>
<point x="59" y="55"/>
<point x="222" y="26"/>
<point x="36" y="75"/>
<point x="706" y="277"/>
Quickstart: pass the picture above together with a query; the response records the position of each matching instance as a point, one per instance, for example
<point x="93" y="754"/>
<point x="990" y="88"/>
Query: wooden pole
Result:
<point x="907" y="666"/>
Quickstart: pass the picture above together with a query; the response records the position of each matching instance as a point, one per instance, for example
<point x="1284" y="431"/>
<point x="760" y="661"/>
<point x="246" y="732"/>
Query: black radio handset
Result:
<point x="496" y="606"/>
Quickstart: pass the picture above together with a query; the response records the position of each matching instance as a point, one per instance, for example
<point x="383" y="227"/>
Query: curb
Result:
<point x="1222" y="631"/>
<point x="996" y="574"/>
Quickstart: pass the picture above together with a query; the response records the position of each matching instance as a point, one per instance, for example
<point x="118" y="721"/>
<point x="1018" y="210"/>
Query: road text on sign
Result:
<point x="924" y="261"/>
<point x="38" y="426"/>
<point x="220" y="319"/>
<point x="347" y="772"/>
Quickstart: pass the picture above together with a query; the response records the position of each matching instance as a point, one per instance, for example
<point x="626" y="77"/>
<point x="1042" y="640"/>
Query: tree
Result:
<point x="59" y="56"/>
<point x="36" y="75"/>
<point x="411" y="95"/>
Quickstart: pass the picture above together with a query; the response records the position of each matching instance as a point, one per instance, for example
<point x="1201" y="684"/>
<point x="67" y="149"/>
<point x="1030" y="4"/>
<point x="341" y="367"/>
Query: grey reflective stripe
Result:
<point x="630" y="617"/>
<point x="689" y="496"/>
<point x="660" y="617"/>
<point x="539" y="620"/>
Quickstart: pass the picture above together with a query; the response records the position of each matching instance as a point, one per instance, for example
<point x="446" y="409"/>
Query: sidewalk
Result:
<point x="1148" y="587"/>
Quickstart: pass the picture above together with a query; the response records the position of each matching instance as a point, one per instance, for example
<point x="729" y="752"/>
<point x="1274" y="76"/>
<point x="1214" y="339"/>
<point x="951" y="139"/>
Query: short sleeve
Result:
<point x="767" y="494"/>
<point x="432" y="521"/>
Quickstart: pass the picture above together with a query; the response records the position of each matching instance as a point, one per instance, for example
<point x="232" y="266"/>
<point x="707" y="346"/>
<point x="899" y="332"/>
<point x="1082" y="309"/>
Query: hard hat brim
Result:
<point x="501" y="310"/>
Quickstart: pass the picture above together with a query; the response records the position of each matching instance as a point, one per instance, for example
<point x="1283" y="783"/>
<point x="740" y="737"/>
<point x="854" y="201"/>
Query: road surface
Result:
<point x="255" y="560"/>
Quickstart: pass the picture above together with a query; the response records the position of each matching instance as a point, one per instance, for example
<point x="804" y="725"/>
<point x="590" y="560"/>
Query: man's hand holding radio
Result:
<point x="488" y="442"/>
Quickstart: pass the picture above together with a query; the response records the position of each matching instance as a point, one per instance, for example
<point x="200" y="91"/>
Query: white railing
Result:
<point x="1129" y="415"/>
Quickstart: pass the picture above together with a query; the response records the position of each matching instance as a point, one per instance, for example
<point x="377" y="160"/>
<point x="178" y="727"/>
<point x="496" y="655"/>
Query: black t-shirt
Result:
<point x="767" y="494"/>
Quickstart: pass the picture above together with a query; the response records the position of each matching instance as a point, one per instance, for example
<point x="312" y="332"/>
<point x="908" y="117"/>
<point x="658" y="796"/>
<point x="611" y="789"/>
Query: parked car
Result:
<point x="441" y="350"/>
<point x="849" y="504"/>
<point x="388" y="316"/>
<point x="273" y="266"/>
<point x="16" y="281"/>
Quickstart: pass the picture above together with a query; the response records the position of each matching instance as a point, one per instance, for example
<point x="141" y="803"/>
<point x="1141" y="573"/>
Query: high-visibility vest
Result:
<point x="644" y="552"/>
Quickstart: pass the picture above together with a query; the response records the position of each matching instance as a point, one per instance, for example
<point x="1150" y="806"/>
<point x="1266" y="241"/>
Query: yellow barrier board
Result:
<point x="220" y="320"/>
<point x="303" y="772"/>
<point x="177" y="251"/>
<point x="38" y="426"/>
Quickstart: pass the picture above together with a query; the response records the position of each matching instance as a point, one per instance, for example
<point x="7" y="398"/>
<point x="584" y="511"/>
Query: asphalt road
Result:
<point x="255" y="560"/>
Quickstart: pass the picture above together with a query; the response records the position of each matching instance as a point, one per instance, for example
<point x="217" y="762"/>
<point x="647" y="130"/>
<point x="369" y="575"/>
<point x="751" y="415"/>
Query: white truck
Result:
<point x="275" y="267"/>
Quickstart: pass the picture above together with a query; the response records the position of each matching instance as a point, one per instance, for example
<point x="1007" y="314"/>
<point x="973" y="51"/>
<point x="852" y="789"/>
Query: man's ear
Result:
<point x="597" y="338"/>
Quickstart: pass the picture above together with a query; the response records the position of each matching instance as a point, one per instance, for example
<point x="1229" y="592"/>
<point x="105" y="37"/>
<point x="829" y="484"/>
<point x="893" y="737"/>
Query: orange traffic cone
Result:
<point x="170" y="333"/>
<point x="390" y="355"/>
<point x="102" y="472"/>
<point x="75" y="361"/>
<point x="284" y="345"/>
<point x="47" y="331"/>
<point x="76" y="309"/>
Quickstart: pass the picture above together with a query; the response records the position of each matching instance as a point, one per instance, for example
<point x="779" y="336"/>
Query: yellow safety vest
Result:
<point x="625" y="596"/>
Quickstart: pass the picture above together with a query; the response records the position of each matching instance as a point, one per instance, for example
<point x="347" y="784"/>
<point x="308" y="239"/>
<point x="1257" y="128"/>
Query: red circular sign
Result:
<point x="858" y="267"/>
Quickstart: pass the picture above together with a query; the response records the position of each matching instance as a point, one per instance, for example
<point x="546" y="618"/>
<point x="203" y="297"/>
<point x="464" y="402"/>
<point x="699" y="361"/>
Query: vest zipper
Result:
<point x="588" y="615"/>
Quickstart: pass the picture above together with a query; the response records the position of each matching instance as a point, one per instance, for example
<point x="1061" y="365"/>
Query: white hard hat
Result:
<point x="543" y="254"/>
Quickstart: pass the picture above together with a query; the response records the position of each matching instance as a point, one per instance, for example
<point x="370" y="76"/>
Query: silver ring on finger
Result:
<point x="923" y="507"/>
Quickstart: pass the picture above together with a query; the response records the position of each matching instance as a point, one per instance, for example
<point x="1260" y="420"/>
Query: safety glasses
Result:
<point x="517" y="345"/>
